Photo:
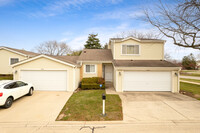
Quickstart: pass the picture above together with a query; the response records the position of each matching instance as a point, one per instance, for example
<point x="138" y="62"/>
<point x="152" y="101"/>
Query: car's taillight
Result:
<point x="1" y="94"/>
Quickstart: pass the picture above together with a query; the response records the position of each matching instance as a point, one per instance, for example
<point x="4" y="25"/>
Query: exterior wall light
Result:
<point x="120" y="73"/>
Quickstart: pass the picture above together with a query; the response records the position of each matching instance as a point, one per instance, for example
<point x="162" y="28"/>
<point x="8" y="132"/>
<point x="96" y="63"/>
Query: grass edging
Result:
<point x="191" y="90"/>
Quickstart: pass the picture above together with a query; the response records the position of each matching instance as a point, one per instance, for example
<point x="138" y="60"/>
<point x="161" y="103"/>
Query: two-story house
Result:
<point x="130" y="64"/>
<point x="9" y="56"/>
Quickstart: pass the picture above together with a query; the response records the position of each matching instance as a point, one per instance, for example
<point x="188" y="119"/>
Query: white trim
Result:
<point x="12" y="58"/>
<point x="95" y="69"/>
<point x="74" y="83"/>
<point x="87" y="61"/>
<point x="14" y="51"/>
<point x="45" y="56"/>
<point x="130" y="54"/>
<point x="147" y="68"/>
<point x="41" y="69"/>
<point x="131" y="38"/>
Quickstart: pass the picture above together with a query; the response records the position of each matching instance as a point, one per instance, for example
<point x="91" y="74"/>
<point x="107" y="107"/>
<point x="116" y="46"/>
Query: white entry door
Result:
<point x="108" y="72"/>
<point x="147" y="81"/>
<point x="46" y="80"/>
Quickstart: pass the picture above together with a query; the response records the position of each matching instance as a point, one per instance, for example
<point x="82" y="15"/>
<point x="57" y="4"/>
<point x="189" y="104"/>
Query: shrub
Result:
<point x="92" y="83"/>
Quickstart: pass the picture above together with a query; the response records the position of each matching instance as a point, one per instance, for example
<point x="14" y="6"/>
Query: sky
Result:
<point x="24" y="24"/>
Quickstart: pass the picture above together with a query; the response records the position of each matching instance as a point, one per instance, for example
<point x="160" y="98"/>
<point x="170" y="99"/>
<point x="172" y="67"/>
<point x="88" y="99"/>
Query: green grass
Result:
<point x="191" y="80"/>
<point x="6" y="77"/>
<point x="86" y="105"/>
<point x="193" y="89"/>
<point x="194" y="71"/>
<point x="190" y="73"/>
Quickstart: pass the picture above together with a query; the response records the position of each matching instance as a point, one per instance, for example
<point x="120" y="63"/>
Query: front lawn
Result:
<point x="192" y="90"/>
<point x="190" y="73"/>
<point x="191" y="80"/>
<point x="86" y="105"/>
<point x="6" y="77"/>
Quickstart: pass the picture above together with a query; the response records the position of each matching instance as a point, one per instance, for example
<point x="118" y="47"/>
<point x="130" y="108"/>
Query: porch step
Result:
<point x="108" y="84"/>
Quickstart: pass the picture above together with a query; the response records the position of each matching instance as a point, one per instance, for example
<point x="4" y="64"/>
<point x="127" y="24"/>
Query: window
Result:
<point x="20" y="84"/>
<point x="130" y="49"/>
<point x="90" y="68"/>
<point x="14" y="60"/>
<point x="11" y="85"/>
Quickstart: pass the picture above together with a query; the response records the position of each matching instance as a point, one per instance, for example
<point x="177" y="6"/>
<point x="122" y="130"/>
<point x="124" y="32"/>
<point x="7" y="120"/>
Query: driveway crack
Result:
<point x="175" y="110"/>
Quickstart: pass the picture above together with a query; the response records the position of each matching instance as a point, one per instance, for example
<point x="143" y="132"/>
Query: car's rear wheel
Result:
<point x="30" y="93"/>
<point x="8" y="102"/>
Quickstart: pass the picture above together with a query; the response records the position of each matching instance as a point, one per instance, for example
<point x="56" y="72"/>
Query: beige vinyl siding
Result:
<point x="147" y="50"/>
<point x="5" y="55"/>
<point x="77" y="78"/>
<point x="47" y="64"/>
<point x="97" y="73"/>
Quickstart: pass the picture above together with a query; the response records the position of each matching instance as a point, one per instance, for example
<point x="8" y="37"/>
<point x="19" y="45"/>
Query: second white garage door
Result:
<point x="46" y="80"/>
<point x="147" y="81"/>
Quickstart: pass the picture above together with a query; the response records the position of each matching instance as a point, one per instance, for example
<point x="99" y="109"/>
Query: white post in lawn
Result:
<point x="104" y="104"/>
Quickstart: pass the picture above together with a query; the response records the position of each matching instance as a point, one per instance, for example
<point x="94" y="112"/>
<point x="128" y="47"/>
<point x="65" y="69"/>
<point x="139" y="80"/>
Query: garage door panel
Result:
<point x="147" y="81"/>
<point x="46" y="80"/>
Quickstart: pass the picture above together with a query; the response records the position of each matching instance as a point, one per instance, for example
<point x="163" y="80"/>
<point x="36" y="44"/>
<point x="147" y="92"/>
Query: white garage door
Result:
<point x="46" y="80"/>
<point x="147" y="81"/>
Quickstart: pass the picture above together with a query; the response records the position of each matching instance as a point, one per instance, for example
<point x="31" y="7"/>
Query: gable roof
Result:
<point x="19" y="51"/>
<point x="143" y="63"/>
<point x="96" y="55"/>
<point x="137" y="39"/>
<point x="67" y="60"/>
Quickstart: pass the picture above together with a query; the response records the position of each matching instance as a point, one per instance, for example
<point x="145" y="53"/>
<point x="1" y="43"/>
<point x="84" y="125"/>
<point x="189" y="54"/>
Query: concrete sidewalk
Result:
<point x="101" y="127"/>
<point x="190" y="77"/>
<point x="190" y="82"/>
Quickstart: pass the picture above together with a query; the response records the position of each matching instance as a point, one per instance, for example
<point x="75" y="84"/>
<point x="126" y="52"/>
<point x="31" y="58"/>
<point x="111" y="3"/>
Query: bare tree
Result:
<point x="138" y="34"/>
<point x="167" y="57"/>
<point x="198" y="57"/>
<point x="179" y="21"/>
<point x="53" y="48"/>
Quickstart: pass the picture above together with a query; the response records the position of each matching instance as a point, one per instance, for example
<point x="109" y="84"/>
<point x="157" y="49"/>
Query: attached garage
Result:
<point x="49" y="73"/>
<point x="147" y="81"/>
<point x="145" y="75"/>
<point x="52" y="80"/>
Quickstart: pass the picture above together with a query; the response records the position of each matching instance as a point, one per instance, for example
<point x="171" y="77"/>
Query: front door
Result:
<point x="108" y="72"/>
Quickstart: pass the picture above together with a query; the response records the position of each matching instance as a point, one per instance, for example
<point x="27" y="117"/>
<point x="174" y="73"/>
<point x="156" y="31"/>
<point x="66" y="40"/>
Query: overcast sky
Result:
<point x="27" y="23"/>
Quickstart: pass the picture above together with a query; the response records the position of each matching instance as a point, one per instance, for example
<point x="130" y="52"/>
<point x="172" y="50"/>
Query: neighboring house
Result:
<point x="198" y="64"/>
<point x="131" y="64"/>
<point x="9" y="56"/>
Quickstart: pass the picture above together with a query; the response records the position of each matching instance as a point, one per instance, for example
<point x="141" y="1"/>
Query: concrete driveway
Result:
<point x="159" y="106"/>
<point x="41" y="106"/>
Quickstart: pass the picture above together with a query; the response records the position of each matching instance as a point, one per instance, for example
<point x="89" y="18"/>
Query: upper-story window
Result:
<point x="14" y="60"/>
<point x="128" y="49"/>
<point x="90" y="68"/>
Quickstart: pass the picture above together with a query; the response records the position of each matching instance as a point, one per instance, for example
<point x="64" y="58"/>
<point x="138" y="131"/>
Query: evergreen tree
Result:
<point x="189" y="62"/>
<point x="93" y="42"/>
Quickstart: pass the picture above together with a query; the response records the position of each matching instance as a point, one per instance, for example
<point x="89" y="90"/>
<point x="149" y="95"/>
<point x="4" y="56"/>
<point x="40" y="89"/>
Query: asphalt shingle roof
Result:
<point x="28" y="53"/>
<point x="143" y="63"/>
<point x="96" y="55"/>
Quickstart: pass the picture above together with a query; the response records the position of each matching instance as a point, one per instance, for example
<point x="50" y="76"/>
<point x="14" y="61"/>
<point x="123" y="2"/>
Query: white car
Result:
<point x="11" y="90"/>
